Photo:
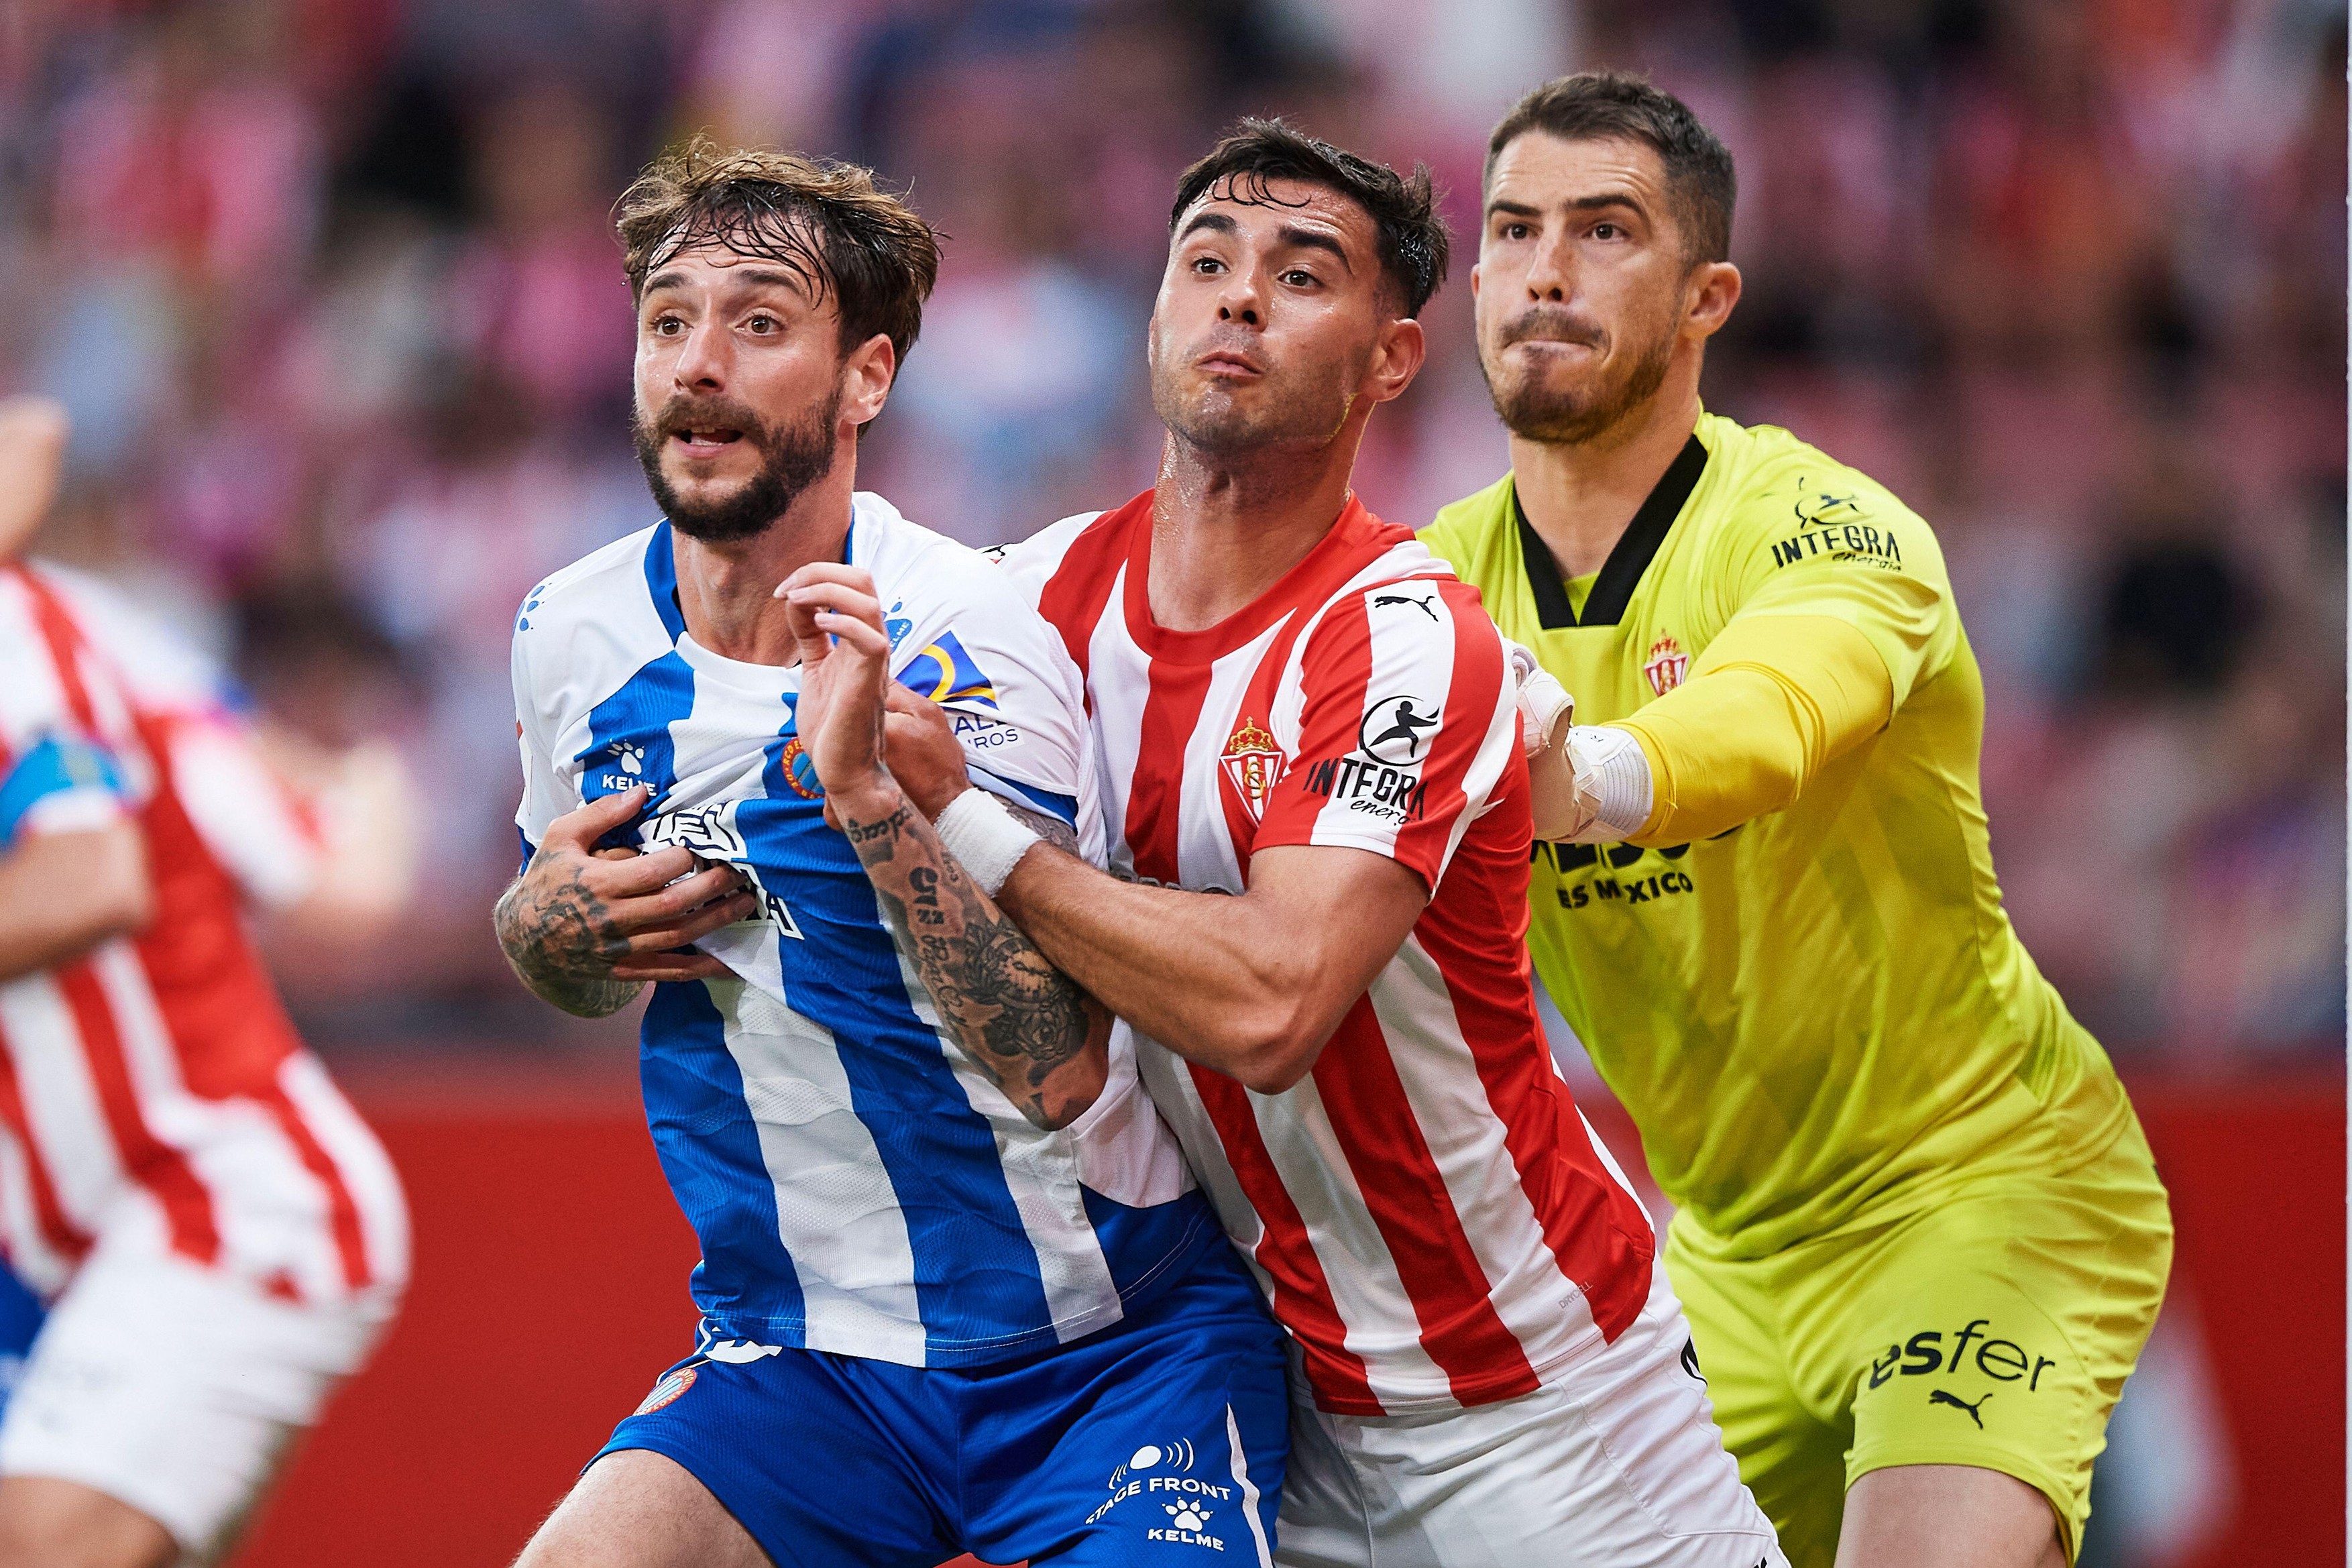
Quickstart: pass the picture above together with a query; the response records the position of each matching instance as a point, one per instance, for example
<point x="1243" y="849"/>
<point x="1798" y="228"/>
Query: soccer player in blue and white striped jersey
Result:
<point x="958" y="1289"/>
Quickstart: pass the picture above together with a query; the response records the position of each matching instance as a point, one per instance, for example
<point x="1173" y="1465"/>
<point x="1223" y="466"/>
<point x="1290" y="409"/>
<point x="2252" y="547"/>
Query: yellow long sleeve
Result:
<point x="1769" y="701"/>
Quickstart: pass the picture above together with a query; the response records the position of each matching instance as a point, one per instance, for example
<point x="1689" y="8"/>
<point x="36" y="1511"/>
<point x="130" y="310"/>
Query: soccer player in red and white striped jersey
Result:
<point x="217" y="1236"/>
<point x="1320" y="812"/>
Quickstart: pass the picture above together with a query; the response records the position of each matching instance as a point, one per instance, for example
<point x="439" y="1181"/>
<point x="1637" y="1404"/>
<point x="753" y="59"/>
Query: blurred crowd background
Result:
<point x="329" y="289"/>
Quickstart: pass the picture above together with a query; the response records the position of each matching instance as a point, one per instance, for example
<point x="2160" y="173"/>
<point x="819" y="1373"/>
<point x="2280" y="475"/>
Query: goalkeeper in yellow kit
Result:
<point x="1918" y="1233"/>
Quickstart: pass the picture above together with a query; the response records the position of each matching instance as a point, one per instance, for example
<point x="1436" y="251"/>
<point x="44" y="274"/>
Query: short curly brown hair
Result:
<point x="829" y="223"/>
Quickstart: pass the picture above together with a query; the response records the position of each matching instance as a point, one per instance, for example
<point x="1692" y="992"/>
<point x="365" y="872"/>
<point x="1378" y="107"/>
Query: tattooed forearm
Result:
<point x="1016" y="1015"/>
<point x="868" y="832"/>
<point x="548" y="935"/>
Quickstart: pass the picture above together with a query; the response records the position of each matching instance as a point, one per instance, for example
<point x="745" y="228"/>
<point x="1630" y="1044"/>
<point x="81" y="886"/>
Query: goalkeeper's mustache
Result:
<point x="1553" y="325"/>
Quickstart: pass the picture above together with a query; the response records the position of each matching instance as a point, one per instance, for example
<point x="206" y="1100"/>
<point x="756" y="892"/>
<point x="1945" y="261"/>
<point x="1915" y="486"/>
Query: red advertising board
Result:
<point x="550" y="1295"/>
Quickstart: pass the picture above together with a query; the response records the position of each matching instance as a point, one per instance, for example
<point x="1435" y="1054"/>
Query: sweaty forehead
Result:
<point x="1540" y="170"/>
<point x="744" y="259"/>
<point x="1265" y="206"/>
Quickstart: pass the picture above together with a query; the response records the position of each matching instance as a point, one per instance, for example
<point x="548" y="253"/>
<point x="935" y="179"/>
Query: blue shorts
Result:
<point x="1170" y="1425"/>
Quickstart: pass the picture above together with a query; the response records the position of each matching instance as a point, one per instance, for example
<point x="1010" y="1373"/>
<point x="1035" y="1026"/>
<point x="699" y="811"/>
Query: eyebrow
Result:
<point x="757" y="276"/>
<point x="1289" y="234"/>
<point x="1315" y="240"/>
<point x="1580" y="203"/>
<point x="1218" y="222"/>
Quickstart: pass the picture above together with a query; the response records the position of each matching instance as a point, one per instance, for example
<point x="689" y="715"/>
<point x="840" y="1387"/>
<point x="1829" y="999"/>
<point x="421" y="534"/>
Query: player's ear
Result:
<point x="1712" y="290"/>
<point x="1396" y="357"/>
<point x="867" y="372"/>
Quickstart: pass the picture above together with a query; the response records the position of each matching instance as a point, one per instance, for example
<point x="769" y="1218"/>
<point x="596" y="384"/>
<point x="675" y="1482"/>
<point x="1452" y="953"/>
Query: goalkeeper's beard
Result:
<point x="1572" y="416"/>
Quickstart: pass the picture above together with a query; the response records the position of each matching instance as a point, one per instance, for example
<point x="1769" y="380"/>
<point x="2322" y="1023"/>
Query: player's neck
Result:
<point x="727" y="591"/>
<point x="1580" y="497"/>
<point x="1226" y="529"/>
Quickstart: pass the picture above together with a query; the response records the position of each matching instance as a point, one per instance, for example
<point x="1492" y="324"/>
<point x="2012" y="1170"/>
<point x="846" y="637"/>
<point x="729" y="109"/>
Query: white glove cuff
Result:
<point x="986" y="839"/>
<point x="1545" y="706"/>
<point x="1620" y="776"/>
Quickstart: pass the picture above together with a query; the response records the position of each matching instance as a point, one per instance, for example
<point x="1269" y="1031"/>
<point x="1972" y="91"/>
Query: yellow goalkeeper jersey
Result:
<point x="1818" y="1014"/>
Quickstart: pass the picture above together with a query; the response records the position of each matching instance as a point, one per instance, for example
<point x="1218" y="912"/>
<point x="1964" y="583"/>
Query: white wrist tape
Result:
<point x="1620" y="781"/>
<point x="1545" y="706"/>
<point x="986" y="839"/>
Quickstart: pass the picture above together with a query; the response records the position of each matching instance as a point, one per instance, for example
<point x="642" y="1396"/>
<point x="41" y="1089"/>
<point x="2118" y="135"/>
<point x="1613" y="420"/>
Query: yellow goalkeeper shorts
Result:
<point x="1994" y="1328"/>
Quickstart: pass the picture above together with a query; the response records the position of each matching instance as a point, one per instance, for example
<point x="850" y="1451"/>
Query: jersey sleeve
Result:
<point x="262" y="833"/>
<point x="1832" y="544"/>
<point x="1408" y="727"/>
<point x="545" y="796"/>
<point x="1013" y="695"/>
<point x="1772" y="700"/>
<point x="56" y="774"/>
<point x="1838" y="607"/>
<point x="252" y="821"/>
<point x="61" y="783"/>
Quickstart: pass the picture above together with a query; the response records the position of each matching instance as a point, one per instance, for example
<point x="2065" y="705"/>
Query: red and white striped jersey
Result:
<point x="1427" y="1210"/>
<point x="265" y="836"/>
<point x="153" y="1092"/>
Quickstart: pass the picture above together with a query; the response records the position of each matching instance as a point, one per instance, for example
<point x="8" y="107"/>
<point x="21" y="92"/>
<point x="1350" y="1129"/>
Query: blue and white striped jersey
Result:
<point x="858" y="1185"/>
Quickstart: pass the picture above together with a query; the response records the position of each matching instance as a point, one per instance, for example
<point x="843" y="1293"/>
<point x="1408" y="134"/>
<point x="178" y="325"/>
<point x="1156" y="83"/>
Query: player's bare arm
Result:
<point x="61" y="894"/>
<point x="1251" y="984"/>
<point x="585" y="930"/>
<point x="1014" y="1011"/>
<point x="1020" y="1017"/>
<point x="32" y="433"/>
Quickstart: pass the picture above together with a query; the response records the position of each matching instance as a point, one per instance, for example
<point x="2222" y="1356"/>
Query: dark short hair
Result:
<point x="1598" y="105"/>
<point x="1413" y="242"/>
<point x="829" y="223"/>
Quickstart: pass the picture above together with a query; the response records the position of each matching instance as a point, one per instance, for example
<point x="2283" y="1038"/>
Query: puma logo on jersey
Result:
<point x="1938" y="1396"/>
<point x="1423" y="605"/>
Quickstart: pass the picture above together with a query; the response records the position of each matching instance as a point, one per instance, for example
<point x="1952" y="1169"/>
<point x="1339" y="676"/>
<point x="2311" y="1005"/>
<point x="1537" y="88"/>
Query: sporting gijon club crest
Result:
<point x="1254" y="765"/>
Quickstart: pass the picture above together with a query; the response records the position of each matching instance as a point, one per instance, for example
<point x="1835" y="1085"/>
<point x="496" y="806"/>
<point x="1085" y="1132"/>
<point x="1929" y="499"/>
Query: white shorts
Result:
<point x="175" y="1389"/>
<point x="1614" y="1462"/>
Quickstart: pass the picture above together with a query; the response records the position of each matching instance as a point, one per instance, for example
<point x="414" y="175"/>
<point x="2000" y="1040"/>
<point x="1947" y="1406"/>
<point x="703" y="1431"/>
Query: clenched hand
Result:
<point x="586" y="927"/>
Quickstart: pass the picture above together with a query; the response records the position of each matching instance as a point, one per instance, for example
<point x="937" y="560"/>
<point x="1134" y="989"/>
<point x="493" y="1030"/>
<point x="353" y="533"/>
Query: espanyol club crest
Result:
<point x="667" y="1391"/>
<point x="798" y="772"/>
<point x="1667" y="665"/>
<point x="1254" y="766"/>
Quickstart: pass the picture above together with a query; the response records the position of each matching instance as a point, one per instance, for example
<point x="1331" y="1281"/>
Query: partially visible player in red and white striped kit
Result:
<point x="217" y="1236"/>
<point x="1320" y="808"/>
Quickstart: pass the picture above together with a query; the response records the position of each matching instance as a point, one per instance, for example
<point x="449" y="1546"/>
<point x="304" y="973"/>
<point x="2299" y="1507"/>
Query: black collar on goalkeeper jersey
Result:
<point x="1612" y="590"/>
